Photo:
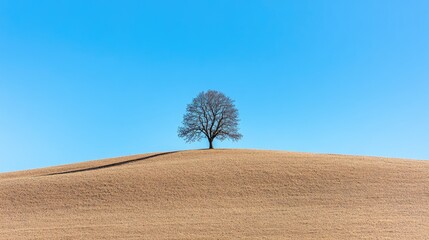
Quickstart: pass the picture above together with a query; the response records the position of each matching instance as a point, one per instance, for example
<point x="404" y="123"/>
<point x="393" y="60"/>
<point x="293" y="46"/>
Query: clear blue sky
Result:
<point x="83" y="80"/>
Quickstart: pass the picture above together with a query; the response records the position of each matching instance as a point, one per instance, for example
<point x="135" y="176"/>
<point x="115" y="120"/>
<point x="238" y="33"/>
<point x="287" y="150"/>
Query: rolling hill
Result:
<point x="219" y="194"/>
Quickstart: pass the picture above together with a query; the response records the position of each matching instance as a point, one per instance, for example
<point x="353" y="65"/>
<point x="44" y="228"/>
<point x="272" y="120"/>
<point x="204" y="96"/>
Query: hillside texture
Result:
<point x="219" y="194"/>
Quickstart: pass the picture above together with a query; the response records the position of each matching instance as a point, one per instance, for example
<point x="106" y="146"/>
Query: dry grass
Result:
<point x="219" y="194"/>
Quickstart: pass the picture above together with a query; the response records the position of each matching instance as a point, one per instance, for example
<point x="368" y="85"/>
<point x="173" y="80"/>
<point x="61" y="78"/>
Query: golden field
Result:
<point x="219" y="194"/>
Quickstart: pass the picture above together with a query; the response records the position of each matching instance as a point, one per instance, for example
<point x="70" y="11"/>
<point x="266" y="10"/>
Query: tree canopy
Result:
<point x="211" y="115"/>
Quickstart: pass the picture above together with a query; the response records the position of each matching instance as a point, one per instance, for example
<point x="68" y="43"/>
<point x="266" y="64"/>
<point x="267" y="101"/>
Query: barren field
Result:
<point x="219" y="194"/>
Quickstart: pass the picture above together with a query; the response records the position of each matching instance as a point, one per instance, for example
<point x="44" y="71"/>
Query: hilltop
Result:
<point x="219" y="194"/>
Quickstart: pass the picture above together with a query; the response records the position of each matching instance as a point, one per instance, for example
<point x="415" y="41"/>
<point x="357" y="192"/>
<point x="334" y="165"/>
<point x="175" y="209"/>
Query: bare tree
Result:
<point x="212" y="115"/>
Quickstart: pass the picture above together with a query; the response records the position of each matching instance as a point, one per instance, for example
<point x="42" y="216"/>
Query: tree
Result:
<point x="211" y="115"/>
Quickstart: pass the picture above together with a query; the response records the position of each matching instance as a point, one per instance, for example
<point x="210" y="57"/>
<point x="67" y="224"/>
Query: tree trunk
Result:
<point x="211" y="143"/>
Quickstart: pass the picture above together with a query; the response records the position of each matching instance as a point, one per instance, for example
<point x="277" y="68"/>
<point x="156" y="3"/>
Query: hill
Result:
<point x="219" y="194"/>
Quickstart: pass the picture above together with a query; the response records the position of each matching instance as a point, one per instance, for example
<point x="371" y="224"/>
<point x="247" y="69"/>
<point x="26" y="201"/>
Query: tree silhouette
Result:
<point x="212" y="115"/>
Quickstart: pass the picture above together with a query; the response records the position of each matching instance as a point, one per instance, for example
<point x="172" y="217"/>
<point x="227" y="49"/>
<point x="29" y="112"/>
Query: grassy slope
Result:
<point x="219" y="194"/>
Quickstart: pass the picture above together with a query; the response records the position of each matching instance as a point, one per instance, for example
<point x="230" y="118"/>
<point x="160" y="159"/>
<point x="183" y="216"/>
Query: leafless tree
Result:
<point x="211" y="115"/>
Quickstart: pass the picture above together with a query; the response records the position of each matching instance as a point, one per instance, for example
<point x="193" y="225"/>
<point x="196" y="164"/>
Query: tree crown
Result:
<point x="212" y="115"/>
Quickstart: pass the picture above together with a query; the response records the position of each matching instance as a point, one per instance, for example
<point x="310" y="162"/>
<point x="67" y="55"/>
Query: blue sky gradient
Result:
<point x="83" y="80"/>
